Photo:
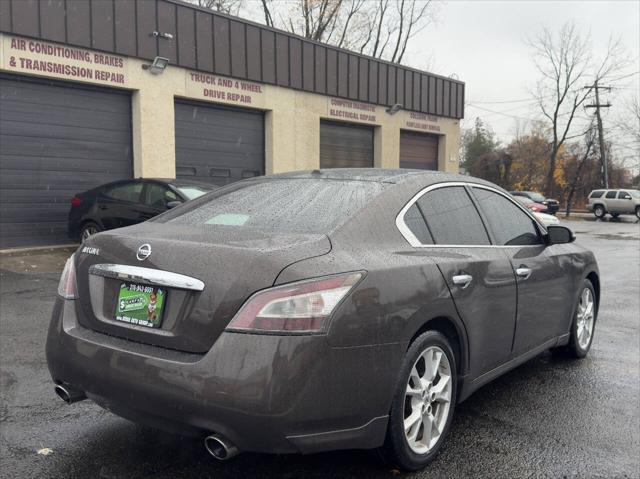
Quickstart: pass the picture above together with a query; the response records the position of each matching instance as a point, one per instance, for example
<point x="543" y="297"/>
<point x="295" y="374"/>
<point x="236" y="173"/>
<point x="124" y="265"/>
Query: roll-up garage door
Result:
<point x="217" y="144"/>
<point x="345" y="146"/>
<point x="418" y="150"/>
<point x="56" y="139"/>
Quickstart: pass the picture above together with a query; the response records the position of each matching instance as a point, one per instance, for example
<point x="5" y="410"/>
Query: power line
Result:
<point x="501" y="113"/>
<point x="525" y="100"/>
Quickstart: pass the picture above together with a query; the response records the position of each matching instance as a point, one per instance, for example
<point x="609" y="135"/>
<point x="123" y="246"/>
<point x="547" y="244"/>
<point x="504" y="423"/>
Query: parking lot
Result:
<point x="551" y="417"/>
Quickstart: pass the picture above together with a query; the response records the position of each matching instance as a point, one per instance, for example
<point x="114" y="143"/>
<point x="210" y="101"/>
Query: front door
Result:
<point x="545" y="293"/>
<point x="479" y="276"/>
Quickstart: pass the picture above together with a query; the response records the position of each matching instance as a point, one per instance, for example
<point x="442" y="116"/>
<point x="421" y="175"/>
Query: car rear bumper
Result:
<point x="265" y="393"/>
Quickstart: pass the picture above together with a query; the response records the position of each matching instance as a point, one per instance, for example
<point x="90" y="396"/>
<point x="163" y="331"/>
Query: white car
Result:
<point x="547" y="219"/>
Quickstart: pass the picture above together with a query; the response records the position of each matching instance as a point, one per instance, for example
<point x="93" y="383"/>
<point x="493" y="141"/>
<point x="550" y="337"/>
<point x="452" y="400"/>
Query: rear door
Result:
<point x="545" y="291"/>
<point x="118" y="204"/>
<point x="478" y="275"/>
<point x="610" y="201"/>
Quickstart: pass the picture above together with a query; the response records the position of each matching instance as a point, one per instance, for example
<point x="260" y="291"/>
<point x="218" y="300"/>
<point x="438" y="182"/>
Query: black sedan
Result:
<point x="127" y="202"/>
<point x="552" y="206"/>
<point x="311" y="311"/>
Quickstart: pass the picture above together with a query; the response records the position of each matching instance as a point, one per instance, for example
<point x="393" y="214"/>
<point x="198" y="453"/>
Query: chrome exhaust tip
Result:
<point x="220" y="448"/>
<point x="69" y="394"/>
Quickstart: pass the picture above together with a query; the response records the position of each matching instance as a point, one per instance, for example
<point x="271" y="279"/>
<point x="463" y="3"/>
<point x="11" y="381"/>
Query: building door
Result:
<point x="216" y="144"/>
<point x="343" y="145"/>
<point x="418" y="150"/>
<point x="56" y="139"/>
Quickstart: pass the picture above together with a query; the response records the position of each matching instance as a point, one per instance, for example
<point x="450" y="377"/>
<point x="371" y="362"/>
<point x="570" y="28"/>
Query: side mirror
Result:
<point x="173" y="204"/>
<point x="626" y="197"/>
<point x="559" y="235"/>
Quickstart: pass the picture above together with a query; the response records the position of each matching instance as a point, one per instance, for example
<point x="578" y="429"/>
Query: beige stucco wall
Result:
<point x="292" y="119"/>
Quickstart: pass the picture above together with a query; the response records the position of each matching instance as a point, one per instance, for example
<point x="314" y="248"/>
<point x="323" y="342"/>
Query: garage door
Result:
<point x="418" y="150"/>
<point x="345" y="146"/>
<point x="216" y="144"/>
<point x="56" y="139"/>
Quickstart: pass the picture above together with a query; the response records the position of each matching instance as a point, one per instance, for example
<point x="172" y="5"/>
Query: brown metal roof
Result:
<point x="212" y="42"/>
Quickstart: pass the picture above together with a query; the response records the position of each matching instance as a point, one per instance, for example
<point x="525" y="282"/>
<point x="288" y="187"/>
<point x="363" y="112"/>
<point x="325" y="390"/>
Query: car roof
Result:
<point x="380" y="175"/>
<point x="182" y="182"/>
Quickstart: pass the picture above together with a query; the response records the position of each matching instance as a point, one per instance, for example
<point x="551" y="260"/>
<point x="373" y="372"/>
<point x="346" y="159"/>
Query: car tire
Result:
<point x="89" y="229"/>
<point x="599" y="211"/>
<point x="583" y="325"/>
<point x="432" y="401"/>
<point x="638" y="212"/>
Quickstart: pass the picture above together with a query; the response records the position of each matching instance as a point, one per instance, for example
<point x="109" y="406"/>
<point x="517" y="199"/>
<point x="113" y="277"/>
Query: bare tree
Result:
<point x="564" y="61"/>
<point x="378" y="28"/>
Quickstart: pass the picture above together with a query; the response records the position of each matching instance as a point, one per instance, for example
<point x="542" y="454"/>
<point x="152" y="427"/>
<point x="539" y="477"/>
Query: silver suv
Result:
<point x="614" y="202"/>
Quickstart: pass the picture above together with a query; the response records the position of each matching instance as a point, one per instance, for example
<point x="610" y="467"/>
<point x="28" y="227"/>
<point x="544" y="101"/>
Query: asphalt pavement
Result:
<point x="551" y="417"/>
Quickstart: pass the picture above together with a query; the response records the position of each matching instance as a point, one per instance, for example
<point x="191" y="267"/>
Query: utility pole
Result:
<point x="597" y="106"/>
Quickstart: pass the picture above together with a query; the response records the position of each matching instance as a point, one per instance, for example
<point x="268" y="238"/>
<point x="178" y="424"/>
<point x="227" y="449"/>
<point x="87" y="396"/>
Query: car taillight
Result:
<point x="67" y="286"/>
<point x="301" y="307"/>
<point x="75" y="201"/>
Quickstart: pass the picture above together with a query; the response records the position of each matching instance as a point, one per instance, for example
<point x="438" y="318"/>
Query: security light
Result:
<point x="392" y="110"/>
<point x="157" y="66"/>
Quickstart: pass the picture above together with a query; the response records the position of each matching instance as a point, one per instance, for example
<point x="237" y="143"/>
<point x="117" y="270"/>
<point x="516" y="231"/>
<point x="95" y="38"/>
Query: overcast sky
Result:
<point x="483" y="43"/>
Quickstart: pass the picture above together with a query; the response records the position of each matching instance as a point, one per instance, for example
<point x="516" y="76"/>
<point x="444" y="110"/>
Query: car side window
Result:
<point x="124" y="192"/>
<point x="611" y="194"/>
<point x="415" y="222"/>
<point x="624" y="195"/>
<point x="157" y="196"/>
<point x="597" y="194"/>
<point x="452" y="218"/>
<point x="510" y="225"/>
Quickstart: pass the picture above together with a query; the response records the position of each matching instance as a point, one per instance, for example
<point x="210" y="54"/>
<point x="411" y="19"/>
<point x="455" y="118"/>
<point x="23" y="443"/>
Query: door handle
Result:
<point x="462" y="280"/>
<point x="523" y="272"/>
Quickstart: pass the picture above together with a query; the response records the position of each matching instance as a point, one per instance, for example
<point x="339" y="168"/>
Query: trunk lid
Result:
<point x="232" y="263"/>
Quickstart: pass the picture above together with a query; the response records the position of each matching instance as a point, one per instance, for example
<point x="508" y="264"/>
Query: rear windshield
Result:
<point x="283" y="205"/>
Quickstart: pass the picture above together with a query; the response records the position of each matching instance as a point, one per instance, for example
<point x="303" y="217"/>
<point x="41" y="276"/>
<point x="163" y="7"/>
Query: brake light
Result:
<point x="301" y="307"/>
<point x="67" y="288"/>
<point x="75" y="201"/>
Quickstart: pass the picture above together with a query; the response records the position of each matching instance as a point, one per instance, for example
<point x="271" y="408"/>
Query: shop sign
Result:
<point x="225" y="90"/>
<point x="349" y="110"/>
<point x="422" y="121"/>
<point x="36" y="57"/>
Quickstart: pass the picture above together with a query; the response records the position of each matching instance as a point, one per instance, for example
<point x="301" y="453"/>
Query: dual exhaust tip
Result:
<point x="219" y="447"/>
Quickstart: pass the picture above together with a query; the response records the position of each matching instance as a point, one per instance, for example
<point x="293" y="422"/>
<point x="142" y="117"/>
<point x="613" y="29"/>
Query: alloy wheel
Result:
<point x="427" y="400"/>
<point x="88" y="231"/>
<point x="599" y="211"/>
<point x="585" y="319"/>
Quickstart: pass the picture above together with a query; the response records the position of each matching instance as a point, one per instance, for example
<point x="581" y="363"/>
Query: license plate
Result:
<point x="140" y="304"/>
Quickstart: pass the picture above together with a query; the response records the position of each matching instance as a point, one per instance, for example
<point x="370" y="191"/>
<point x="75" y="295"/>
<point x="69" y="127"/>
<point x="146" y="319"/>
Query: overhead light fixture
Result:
<point x="157" y="66"/>
<point x="392" y="110"/>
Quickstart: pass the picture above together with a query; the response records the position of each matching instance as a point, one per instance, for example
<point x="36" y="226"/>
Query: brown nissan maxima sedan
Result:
<point x="319" y="310"/>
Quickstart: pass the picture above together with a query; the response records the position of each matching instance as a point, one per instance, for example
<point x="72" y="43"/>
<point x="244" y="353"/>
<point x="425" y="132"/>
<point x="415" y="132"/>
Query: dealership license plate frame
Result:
<point x="141" y="309"/>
